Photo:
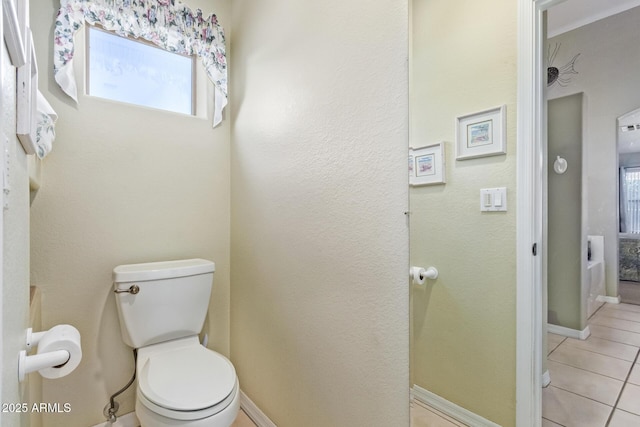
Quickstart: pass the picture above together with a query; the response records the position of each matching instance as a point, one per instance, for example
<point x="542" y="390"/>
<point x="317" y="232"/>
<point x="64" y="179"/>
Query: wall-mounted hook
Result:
<point x="560" y="165"/>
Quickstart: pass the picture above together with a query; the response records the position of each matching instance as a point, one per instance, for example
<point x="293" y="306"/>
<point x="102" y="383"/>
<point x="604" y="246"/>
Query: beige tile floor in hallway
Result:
<point x="596" y="382"/>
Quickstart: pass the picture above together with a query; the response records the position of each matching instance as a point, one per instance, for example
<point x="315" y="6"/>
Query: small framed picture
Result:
<point x="27" y="100"/>
<point x="426" y="165"/>
<point x="13" y="33"/>
<point x="481" y="134"/>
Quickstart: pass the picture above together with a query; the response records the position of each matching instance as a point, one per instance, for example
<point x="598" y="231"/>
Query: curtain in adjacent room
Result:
<point x="630" y="200"/>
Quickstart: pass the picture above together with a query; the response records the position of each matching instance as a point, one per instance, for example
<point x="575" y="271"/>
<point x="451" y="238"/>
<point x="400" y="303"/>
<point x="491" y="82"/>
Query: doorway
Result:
<point x="628" y="138"/>
<point x="580" y="53"/>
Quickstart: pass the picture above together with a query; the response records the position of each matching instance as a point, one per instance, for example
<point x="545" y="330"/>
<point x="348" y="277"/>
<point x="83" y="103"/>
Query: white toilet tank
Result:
<point x="162" y="301"/>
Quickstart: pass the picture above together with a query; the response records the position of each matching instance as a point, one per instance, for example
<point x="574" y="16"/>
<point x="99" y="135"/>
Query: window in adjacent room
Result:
<point x="138" y="72"/>
<point x="630" y="200"/>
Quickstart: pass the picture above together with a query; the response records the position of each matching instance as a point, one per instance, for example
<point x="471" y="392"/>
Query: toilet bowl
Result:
<point x="182" y="381"/>
<point x="162" y="307"/>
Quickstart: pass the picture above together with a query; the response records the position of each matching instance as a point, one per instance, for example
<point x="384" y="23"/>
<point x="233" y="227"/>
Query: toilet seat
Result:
<point x="187" y="383"/>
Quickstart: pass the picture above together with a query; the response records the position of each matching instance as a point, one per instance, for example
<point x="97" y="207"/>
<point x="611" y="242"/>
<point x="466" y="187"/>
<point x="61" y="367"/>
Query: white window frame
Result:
<point x="194" y="73"/>
<point x="631" y="225"/>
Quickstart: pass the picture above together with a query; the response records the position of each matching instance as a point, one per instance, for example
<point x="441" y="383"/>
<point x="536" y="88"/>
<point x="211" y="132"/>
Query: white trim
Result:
<point x="568" y="332"/>
<point x="126" y="420"/>
<point x="451" y="409"/>
<point x="12" y="35"/>
<point x="528" y="300"/>
<point x="546" y="378"/>
<point x="256" y="415"/>
<point x="610" y="300"/>
<point x="2" y="154"/>
<point x="531" y="115"/>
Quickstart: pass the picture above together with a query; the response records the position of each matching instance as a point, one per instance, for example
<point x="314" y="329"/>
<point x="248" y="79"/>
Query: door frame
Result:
<point x="531" y="137"/>
<point x="2" y="166"/>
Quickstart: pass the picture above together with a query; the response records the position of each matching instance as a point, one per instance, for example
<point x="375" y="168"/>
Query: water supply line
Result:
<point x="112" y="407"/>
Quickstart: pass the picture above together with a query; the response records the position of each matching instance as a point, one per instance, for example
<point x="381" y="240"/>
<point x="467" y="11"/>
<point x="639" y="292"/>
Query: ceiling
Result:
<point x="572" y="14"/>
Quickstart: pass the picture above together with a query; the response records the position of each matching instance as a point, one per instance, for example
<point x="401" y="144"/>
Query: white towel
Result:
<point x="45" y="131"/>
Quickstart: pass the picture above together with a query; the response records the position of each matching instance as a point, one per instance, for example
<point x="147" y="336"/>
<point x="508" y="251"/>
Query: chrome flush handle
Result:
<point x="133" y="289"/>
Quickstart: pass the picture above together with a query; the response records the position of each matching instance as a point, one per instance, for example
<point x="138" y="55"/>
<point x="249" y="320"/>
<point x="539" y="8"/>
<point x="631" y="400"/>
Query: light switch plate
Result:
<point x="493" y="199"/>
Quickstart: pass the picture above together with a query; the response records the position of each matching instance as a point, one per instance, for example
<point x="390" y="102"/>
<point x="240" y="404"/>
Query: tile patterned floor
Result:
<point x="596" y="382"/>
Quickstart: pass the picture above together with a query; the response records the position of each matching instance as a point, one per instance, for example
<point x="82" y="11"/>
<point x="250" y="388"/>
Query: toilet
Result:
<point x="162" y="307"/>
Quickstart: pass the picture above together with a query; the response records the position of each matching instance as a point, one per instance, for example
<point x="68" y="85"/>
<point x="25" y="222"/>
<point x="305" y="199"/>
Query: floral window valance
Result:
<point x="166" y="23"/>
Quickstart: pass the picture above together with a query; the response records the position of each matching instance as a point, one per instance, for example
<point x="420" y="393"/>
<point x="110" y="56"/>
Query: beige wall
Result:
<point x="607" y="74"/>
<point x="463" y="324"/>
<point x="15" y="297"/>
<point x="123" y="184"/>
<point x="319" y="328"/>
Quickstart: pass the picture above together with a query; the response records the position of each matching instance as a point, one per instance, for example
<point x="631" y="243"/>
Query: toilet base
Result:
<point x="224" y="418"/>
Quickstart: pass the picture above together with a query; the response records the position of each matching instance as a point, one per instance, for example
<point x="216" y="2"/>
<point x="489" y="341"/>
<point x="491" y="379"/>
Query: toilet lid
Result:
<point x="187" y="379"/>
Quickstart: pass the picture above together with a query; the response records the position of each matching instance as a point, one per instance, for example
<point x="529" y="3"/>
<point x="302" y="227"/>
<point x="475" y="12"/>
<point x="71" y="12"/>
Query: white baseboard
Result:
<point x="567" y="332"/>
<point x="451" y="409"/>
<point x="546" y="378"/>
<point x="126" y="420"/>
<point x="256" y="415"/>
<point x="610" y="300"/>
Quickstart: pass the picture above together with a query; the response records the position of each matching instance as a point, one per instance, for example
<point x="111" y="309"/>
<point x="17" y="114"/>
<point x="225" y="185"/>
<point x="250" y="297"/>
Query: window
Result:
<point x="630" y="200"/>
<point x="139" y="73"/>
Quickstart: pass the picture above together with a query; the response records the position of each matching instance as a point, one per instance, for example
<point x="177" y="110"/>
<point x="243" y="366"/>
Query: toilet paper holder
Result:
<point x="33" y="338"/>
<point x="37" y="362"/>
<point x="419" y="275"/>
<point x="57" y="358"/>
